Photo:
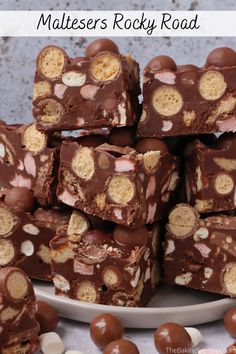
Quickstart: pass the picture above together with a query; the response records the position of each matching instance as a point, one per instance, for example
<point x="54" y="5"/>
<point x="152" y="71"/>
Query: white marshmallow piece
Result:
<point x="195" y="335"/>
<point x="73" y="352"/>
<point x="27" y="248"/>
<point x="51" y="343"/>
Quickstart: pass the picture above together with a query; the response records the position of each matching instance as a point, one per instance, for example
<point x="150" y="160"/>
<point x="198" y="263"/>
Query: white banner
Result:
<point x="118" y="23"/>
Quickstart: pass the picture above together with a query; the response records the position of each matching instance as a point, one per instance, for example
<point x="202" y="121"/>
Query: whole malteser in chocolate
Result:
<point x="122" y="137"/>
<point x="101" y="45"/>
<point x="221" y="57"/>
<point x="96" y="237"/>
<point x="104" y="329"/>
<point x="151" y="144"/>
<point x="122" y="346"/>
<point x="47" y="316"/>
<point x="131" y="237"/>
<point x="161" y="62"/>
<point x="20" y="197"/>
<point x="230" y="322"/>
<point x="170" y="337"/>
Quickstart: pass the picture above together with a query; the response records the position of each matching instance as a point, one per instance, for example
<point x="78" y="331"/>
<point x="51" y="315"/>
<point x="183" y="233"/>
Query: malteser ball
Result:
<point x="161" y="62"/>
<point x="104" y="329"/>
<point x="91" y="140"/>
<point x="170" y="337"/>
<point x="101" y="45"/>
<point x="20" y="197"/>
<point x="122" y="346"/>
<point x="230" y="322"/>
<point x="121" y="137"/>
<point x="221" y="57"/>
<point x="130" y="237"/>
<point x="151" y="144"/>
<point x="96" y="237"/>
<point x="47" y="317"/>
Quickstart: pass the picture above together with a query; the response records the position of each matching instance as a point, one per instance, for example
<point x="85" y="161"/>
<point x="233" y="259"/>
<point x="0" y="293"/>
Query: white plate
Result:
<point x="170" y="304"/>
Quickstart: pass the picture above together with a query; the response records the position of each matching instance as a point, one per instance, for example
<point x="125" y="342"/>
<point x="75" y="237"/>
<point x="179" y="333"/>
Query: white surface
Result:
<point x="76" y="337"/>
<point x="184" y="306"/>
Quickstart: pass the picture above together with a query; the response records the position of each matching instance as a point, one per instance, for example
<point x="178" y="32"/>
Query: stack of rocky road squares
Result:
<point x="86" y="210"/>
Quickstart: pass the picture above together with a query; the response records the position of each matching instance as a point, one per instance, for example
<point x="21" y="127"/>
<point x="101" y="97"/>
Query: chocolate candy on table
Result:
<point x="100" y="90"/>
<point x="122" y="346"/>
<point x="19" y="328"/>
<point x="189" y="100"/>
<point x="200" y="252"/>
<point x="20" y="197"/>
<point x="47" y="316"/>
<point x="231" y="349"/>
<point x="27" y="161"/>
<point x="90" y="265"/>
<point x="230" y="322"/>
<point x="101" y="45"/>
<point x="24" y="240"/>
<point x="104" y="329"/>
<point x="117" y="184"/>
<point x="172" y="337"/>
<point x="211" y="175"/>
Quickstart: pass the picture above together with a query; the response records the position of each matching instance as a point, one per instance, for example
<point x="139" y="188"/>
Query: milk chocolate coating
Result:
<point x="91" y="140"/>
<point x="221" y="57"/>
<point x="172" y="336"/>
<point x="226" y="140"/>
<point x="101" y="45"/>
<point x="96" y="237"/>
<point x="161" y="62"/>
<point x="230" y="322"/>
<point x="122" y="346"/>
<point x="47" y="316"/>
<point x="121" y="137"/>
<point x="151" y="144"/>
<point x="21" y="198"/>
<point x="131" y="237"/>
<point x="231" y="349"/>
<point x="105" y="329"/>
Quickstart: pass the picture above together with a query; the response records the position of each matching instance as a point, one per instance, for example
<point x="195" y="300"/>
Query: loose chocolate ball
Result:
<point x="170" y="337"/>
<point x="230" y="322"/>
<point x="20" y="197"/>
<point x="91" y="140"/>
<point x="151" y="144"/>
<point x="101" y="45"/>
<point x="104" y="329"/>
<point x="225" y="141"/>
<point x="231" y="349"/>
<point x="121" y="137"/>
<point x="47" y="317"/>
<point x="161" y="62"/>
<point x="96" y="237"/>
<point x="221" y="57"/>
<point x="130" y="237"/>
<point x="122" y="346"/>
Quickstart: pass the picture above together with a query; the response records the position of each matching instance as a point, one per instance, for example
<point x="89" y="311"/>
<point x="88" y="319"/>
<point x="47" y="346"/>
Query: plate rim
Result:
<point x="135" y="310"/>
